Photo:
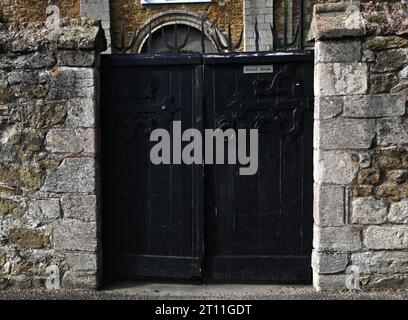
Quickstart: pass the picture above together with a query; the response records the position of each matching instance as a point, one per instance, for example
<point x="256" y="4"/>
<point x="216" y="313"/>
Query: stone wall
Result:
<point x="361" y="146"/>
<point x="261" y="11"/>
<point x="267" y="10"/>
<point x="48" y="154"/>
<point x="30" y="11"/>
<point x="98" y="10"/>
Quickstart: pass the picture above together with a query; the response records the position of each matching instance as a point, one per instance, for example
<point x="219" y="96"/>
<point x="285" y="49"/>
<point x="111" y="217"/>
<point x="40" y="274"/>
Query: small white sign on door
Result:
<point x="258" y="69"/>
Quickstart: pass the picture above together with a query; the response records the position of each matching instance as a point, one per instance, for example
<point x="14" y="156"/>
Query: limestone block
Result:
<point x="369" y="210"/>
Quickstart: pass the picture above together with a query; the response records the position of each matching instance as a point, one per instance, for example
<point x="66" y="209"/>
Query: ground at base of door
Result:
<point x="153" y="291"/>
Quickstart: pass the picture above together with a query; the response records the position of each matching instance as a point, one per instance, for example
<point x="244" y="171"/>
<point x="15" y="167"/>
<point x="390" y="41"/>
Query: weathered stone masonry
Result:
<point x="361" y="146"/>
<point x="98" y="10"/>
<point x="49" y="154"/>
<point x="262" y="12"/>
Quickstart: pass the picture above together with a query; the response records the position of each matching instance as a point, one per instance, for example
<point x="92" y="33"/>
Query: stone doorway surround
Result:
<point x="361" y="146"/>
<point x="49" y="181"/>
<point x="49" y="158"/>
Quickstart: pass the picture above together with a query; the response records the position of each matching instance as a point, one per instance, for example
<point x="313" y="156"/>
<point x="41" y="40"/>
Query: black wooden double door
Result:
<point x="180" y="221"/>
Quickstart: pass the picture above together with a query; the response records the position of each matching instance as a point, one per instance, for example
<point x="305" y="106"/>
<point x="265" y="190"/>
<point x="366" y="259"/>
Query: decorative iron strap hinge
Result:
<point x="150" y="116"/>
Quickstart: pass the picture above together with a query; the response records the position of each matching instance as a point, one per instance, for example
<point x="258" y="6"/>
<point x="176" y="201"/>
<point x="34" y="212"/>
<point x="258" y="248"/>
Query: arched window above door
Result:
<point x="187" y="22"/>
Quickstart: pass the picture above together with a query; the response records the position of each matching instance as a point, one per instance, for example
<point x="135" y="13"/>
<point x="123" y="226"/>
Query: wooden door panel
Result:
<point x="257" y="227"/>
<point x="153" y="215"/>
